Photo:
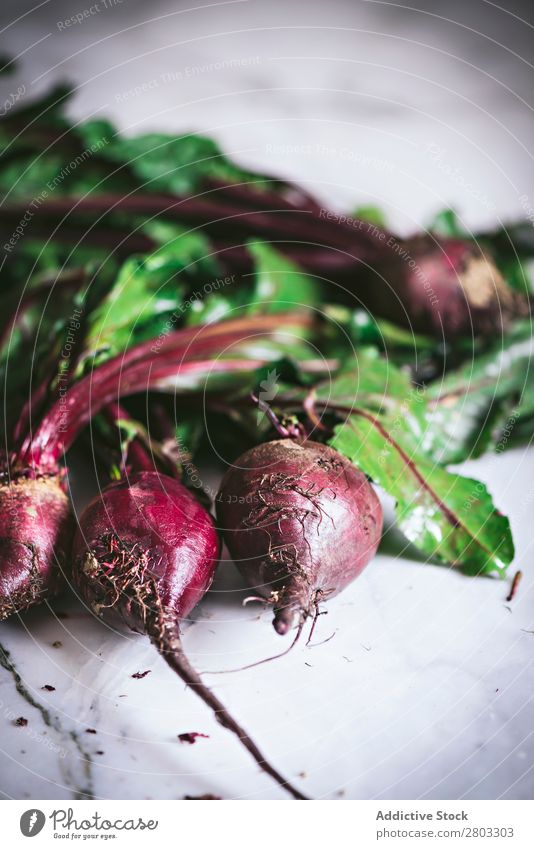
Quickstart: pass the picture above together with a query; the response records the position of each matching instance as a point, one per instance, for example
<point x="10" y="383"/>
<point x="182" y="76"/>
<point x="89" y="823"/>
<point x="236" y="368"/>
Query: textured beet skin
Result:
<point x="35" y="535"/>
<point x="300" y="521"/>
<point x="147" y="550"/>
<point x="145" y="533"/>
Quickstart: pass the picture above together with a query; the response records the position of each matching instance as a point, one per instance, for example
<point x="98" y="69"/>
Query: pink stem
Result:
<point x="308" y="223"/>
<point x="137" y="454"/>
<point x="60" y="427"/>
<point x="139" y="368"/>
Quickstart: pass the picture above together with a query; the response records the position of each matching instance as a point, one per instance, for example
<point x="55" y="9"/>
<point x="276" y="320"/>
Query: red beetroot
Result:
<point x="146" y="551"/>
<point x="300" y="521"/>
<point x="35" y="534"/>
<point x="447" y="288"/>
<point x="148" y="538"/>
<point x="34" y="523"/>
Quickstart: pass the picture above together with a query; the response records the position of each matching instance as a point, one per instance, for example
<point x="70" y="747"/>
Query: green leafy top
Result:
<point x="382" y="427"/>
<point x="470" y="406"/>
<point x="397" y="431"/>
<point x="172" y="164"/>
<point x="148" y="294"/>
<point x="447" y="516"/>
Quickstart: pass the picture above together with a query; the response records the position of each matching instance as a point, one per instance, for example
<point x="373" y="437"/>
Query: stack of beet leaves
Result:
<point x="161" y="305"/>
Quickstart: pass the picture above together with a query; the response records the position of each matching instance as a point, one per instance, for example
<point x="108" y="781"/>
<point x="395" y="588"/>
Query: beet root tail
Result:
<point x="170" y="647"/>
<point x="295" y="602"/>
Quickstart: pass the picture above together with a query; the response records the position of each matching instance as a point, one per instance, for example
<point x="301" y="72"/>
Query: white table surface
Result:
<point x="426" y="689"/>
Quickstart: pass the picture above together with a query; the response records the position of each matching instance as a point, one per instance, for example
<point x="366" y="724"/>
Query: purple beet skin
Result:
<point x="300" y="521"/>
<point x="146" y="550"/>
<point x="35" y="535"/>
<point x="148" y="539"/>
<point x="446" y="288"/>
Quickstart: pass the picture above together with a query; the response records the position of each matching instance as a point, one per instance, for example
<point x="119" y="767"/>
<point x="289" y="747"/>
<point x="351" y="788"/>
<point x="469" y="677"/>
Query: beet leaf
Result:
<point x="445" y="515"/>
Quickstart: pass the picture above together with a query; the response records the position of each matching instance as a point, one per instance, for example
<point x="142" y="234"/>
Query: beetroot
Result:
<point x="151" y="540"/>
<point x="300" y="521"/>
<point x="146" y="551"/>
<point x="35" y="533"/>
<point x="34" y="512"/>
<point x="447" y="288"/>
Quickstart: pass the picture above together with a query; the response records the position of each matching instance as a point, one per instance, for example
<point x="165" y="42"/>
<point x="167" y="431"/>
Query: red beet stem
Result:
<point x="44" y="449"/>
<point x="446" y="287"/>
<point x="286" y="221"/>
<point x="143" y="367"/>
<point x="136" y="456"/>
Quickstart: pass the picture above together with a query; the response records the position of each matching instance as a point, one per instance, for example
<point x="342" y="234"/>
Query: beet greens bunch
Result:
<point x="321" y="350"/>
<point x="167" y="259"/>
